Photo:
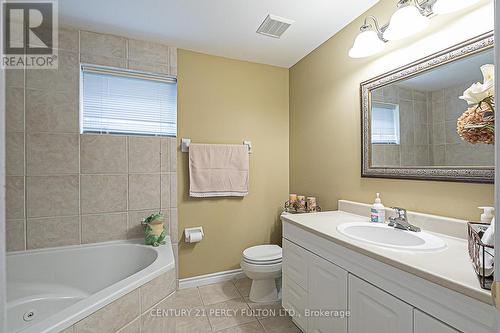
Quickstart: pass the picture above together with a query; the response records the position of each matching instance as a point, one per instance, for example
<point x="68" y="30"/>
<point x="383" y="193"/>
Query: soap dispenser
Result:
<point x="378" y="211"/>
<point x="487" y="214"/>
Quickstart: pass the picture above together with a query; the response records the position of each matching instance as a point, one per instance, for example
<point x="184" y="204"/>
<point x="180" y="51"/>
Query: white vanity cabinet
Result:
<point x="373" y="310"/>
<point x="314" y="290"/>
<point x="319" y="274"/>
<point x="423" y="323"/>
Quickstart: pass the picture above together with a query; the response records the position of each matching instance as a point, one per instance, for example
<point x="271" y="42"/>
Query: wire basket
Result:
<point x="480" y="253"/>
<point x="295" y="209"/>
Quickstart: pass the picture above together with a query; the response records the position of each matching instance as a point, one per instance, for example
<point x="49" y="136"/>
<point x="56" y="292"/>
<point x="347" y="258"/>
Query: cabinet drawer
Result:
<point x="294" y="300"/>
<point x="295" y="263"/>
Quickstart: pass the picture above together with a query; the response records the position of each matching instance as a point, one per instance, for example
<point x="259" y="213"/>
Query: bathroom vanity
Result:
<point x="399" y="288"/>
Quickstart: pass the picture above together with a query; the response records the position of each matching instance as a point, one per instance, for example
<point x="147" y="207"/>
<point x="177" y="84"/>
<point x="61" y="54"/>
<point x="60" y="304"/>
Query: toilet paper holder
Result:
<point x="190" y="231"/>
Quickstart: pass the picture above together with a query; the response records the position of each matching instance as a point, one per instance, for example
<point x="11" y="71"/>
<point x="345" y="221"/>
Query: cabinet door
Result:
<point x="375" y="311"/>
<point x="294" y="264"/>
<point x="423" y="323"/>
<point x="327" y="296"/>
<point x="294" y="300"/>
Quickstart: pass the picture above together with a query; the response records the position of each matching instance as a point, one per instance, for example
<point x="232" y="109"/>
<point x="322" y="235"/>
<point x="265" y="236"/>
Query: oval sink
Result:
<point x="385" y="236"/>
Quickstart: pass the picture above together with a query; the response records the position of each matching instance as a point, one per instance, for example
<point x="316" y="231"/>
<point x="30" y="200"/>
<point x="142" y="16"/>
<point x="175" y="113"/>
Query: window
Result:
<point x="385" y="123"/>
<point x="127" y="102"/>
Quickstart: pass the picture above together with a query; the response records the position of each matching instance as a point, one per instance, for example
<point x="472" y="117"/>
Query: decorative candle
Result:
<point x="311" y="203"/>
<point x="302" y="201"/>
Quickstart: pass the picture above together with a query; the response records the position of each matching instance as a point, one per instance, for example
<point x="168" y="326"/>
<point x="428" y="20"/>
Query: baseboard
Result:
<point x="202" y="280"/>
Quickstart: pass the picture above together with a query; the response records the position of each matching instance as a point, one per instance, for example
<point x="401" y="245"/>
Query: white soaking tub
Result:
<point x="49" y="290"/>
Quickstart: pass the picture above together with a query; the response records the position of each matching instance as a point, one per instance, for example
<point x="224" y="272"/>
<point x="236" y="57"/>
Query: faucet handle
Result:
<point x="401" y="212"/>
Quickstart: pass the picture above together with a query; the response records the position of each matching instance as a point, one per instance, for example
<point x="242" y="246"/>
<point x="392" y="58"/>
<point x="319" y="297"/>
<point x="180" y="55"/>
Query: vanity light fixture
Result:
<point x="408" y="20"/>
<point x="450" y="6"/>
<point x="411" y="17"/>
<point x="369" y="41"/>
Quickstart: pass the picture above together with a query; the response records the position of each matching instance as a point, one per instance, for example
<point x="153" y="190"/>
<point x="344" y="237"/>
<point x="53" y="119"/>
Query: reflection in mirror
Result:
<point x="414" y="121"/>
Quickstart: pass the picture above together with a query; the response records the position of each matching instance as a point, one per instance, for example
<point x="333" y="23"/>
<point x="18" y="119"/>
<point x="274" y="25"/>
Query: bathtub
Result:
<point x="51" y="289"/>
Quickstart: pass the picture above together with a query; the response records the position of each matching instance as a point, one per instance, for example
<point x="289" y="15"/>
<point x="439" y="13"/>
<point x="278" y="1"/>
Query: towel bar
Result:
<point x="186" y="142"/>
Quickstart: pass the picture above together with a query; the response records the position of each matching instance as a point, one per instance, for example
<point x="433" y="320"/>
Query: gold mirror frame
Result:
<point x="456" y="174"/>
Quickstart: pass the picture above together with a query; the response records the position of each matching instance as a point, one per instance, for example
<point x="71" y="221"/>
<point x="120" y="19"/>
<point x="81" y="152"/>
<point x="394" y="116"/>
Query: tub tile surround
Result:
<point x="140" y="311"/>
<point x="67" y="188"/>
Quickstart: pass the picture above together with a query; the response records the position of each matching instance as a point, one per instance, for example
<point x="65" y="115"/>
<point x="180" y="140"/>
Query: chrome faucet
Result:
<point x="401" y="221"/>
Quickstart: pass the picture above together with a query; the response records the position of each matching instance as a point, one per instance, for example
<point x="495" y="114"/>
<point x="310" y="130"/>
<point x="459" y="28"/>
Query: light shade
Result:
<point x="449" y="6"/>
<point x="366" y="44"/>
<point x="406" y="21"/>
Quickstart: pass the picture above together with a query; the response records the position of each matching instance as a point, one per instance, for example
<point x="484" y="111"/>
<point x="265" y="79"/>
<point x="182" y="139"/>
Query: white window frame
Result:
<point x="125" y="73"/>
<point x="396" y="122"/>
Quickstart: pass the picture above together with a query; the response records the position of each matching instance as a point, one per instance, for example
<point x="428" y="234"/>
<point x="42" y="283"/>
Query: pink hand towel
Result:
<point x="218" y="170"/>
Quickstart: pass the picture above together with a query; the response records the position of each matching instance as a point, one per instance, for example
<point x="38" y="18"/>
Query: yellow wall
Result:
<point x="225" y="101"/>
<point x="325" y="134"/>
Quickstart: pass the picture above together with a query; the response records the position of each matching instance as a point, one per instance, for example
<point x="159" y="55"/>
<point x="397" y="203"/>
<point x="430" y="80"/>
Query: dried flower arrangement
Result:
<point x="477" y="124"/>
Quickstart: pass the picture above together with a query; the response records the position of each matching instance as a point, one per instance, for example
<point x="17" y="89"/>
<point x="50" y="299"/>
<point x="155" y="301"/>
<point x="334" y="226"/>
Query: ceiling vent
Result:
<point x="274" y="26"/>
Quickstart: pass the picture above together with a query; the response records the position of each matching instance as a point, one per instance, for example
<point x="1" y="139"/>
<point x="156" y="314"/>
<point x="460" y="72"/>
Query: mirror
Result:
<point x="410" y="118"/>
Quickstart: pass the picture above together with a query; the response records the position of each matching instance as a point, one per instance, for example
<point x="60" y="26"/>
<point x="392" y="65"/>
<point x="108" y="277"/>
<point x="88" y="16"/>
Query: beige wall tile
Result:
<point x="14" y="78"/>
<point x="144" y="154"/>
<point x="157" y="289"/>
<point x="103" y="44"/>
<point x="173" y="190"/>
<point x="174" y="226"/>
<point x="51" y="154"/>
<point x="148" y="52"/>
<point x="144" y="191"/>
<point x="14" y="197"/>
<point x="65" y="78"/>
<point x="148" y="67"/>
<point x="183" y="299"/>
<point x="94" y="59"/>
<point x="104" y="227"/>
<point x="165" y="191"/>
<point x="52" y="111"/>
<point x="173" y="154"/>
<point x="103" y="153"/>
<point x="68" y="39"/>
<point x="14" y="109"/>
<point x="52" y="196"/>
<point x="103" y="193"/>
<point x="52" y="231"/>
<point x="14" y="154"/>
<point x="112" y="317"/>
<point x="165" y="154"/>
<point x="14" y="234"/>
<point x="172" y="51"/>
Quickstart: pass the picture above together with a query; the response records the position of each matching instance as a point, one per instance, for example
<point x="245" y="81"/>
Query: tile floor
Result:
<point x="222" y="307"/>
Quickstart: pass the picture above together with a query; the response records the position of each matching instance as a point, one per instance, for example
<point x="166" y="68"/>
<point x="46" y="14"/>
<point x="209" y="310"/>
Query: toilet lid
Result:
<point x="263" y="253"/>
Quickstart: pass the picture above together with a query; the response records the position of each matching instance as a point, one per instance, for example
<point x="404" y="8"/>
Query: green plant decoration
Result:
<point x="154" y="232"/>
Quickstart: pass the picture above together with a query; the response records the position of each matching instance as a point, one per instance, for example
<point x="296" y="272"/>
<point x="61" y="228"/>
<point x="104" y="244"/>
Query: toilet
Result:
<point x="262" y="264"/>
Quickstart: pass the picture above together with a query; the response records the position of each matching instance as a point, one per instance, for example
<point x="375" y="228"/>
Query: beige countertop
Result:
<point x="449" y="267"/>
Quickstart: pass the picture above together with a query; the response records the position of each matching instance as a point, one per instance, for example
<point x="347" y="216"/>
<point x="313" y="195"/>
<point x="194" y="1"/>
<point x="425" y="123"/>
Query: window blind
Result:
<point x="385" y="123"/>
<point x="115" y="101"/>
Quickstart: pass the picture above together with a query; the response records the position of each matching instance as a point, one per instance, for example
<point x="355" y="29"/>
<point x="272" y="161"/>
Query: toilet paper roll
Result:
<point x="195" y="237"/>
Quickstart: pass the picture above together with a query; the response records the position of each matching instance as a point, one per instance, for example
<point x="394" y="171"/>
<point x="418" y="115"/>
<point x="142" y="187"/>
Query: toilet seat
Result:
<point x="263" y="255"/>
